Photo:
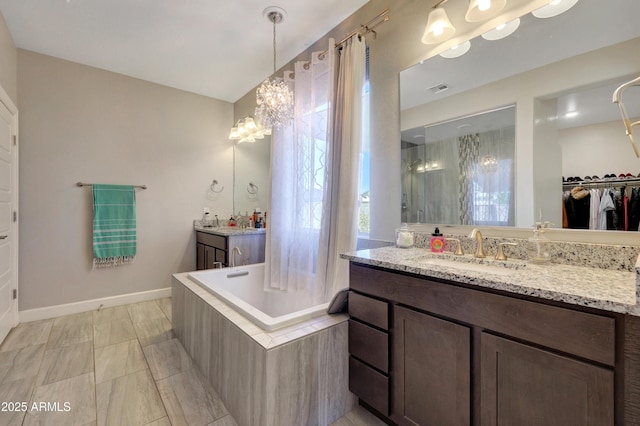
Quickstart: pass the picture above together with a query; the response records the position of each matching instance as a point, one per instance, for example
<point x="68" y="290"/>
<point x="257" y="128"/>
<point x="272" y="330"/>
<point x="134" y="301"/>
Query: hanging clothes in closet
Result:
<point x="612" y="205"/>
<point x="578" y="206"/>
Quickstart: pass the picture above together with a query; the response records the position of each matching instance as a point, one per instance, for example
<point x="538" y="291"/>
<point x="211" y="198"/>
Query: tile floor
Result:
<point x="115" y="366"/>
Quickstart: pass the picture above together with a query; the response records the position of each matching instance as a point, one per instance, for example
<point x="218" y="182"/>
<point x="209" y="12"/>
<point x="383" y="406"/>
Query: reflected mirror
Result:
<point x="560" y="74"/>
<point x="460" y="171"/>
<point x="251" y="175"/>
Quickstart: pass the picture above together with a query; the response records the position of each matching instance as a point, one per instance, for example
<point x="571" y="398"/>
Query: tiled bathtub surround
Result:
<point x="295" y="375"/>
<point x="603" y="256"/>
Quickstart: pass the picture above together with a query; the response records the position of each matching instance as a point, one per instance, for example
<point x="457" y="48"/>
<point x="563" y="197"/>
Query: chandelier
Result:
<point x="248" y="130"/>
<point x="273" y="97"/>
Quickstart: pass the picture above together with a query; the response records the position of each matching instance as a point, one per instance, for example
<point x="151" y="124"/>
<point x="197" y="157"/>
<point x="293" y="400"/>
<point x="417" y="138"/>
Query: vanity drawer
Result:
<point x="211" y="240"/>
<point x="369" y="310"/>
<point x="370" y="386"/>
<point x="369" y="345"/>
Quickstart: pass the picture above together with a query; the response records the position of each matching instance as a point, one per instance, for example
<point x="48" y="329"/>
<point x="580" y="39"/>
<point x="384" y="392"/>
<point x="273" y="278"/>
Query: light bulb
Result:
<point x="484" y="5"/>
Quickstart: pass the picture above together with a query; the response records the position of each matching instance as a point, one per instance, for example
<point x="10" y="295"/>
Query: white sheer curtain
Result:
<point x="340" y="222"/>
<point x="298" y="170"/>
<point x="315" y="166"/>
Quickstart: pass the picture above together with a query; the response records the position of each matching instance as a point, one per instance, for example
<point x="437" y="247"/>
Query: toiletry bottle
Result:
<point x="232" y="221"/>
<point x="206" y="220"/>
<point x="437" y="242"/>
<point x="404" y="237"/>
<point x="539" y="246"/>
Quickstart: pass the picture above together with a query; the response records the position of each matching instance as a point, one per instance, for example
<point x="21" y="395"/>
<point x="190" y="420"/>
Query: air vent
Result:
<point x="438" y="88"/>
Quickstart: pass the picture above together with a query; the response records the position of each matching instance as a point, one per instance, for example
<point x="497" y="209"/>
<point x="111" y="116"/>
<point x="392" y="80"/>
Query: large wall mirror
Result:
<point x="251" y="175"/>
<point x="554" y="79"/>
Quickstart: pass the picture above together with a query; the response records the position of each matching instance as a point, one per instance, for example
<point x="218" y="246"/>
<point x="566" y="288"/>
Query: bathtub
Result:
<point x="243" y="289"/>
<point x="296" y="375"/>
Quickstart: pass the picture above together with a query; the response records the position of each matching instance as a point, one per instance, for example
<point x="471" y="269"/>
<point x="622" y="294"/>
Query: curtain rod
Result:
<point x="90" y="184"/>
<point x="364" y="29"/>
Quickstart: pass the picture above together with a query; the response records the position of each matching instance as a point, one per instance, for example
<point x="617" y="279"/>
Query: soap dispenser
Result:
<point x="437" y="241"/>
<point x="539" y="246"/>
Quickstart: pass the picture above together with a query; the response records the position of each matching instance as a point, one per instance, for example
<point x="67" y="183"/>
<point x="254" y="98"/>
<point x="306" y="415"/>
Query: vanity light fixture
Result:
<point x="248" y="130"/>
<point x="554" y="8"/>
<point x="480" y="10"/>
<point x="457" y="50"/>
<point x="273" y="97"/>
<point x="502" y="31"/>
<point x="439" y="28"/>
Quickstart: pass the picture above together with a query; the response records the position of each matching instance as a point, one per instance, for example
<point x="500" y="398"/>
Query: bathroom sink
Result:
<point x="470" y="262"/>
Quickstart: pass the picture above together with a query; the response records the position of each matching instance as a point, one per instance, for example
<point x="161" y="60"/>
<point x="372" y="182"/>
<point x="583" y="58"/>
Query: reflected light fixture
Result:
<point x="502" y="31"/>
<point x="457" y="50"/>
<point x="439" y="27"/>
<point x="273" y="97"/>
<point x="554" y="8"/>
<point x="248" y="130"/>
<point x="483" y="9"/>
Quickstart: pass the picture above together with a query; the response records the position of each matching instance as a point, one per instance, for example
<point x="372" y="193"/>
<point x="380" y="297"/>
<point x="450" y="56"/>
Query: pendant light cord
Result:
<point x="273" y="19"/>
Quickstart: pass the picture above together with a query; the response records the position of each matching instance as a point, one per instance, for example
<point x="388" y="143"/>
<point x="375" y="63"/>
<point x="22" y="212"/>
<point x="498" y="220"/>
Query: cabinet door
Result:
<point x="200" y="257"/>
<point x="526" y="386"/>
<point x="431" y="370"/>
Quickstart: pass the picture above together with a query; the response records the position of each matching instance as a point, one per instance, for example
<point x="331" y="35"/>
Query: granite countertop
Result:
<point x="226" y="231"/>
<point x="610" y="290"/>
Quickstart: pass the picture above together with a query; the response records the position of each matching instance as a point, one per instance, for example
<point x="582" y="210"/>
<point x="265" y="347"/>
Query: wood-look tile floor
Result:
<point x="115" y="366"/>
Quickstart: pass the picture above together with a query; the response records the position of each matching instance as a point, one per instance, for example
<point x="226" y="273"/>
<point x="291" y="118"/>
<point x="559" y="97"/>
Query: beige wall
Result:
<point x="84" y="124"/>
<point x="598" y="149"/>
<point x="8" y="62"/>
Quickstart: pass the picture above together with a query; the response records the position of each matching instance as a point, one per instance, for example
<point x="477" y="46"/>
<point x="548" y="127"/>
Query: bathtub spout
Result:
<point x="233" y="256"/>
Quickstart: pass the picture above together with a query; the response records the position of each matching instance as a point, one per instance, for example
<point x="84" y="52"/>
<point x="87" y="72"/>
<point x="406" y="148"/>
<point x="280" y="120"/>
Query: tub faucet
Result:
<point x="475" y="233"/>
<point x="233" y="256"/>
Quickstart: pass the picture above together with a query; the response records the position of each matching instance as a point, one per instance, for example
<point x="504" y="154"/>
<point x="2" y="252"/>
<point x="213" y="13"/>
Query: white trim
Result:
<point x="6" y="100"/>
<point x="90" y="305"/>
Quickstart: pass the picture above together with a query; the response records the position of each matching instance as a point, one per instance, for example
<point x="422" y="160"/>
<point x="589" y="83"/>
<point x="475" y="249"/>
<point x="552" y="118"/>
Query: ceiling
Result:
<point x="217" y="48"/>
<point x="536" y="43"/>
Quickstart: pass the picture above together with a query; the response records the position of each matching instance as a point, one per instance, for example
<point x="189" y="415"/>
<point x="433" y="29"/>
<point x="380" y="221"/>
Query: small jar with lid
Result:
<point x="404" y="237"/>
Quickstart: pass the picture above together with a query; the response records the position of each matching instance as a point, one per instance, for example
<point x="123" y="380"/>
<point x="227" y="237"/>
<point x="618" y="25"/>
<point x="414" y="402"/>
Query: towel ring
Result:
<point x="213" y="187"/>
<point x="253" y="188"/>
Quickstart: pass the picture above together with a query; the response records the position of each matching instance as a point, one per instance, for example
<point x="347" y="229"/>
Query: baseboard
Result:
<point x="90" y="305"/>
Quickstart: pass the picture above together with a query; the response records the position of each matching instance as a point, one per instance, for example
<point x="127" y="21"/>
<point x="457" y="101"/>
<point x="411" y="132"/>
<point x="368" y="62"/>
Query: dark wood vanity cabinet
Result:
<point x="369" y="350"/>
<point x="461" y="356"/>
<point x="431" y="358"/>
<point x="524" y="385"/>
<point x="212" y="248"/>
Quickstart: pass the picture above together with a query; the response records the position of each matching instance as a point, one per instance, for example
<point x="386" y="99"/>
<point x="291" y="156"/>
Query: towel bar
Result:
<point x="90" y="184"/>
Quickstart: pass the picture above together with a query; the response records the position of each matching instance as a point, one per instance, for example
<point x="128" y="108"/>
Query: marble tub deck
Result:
<point x="266" y="339"/>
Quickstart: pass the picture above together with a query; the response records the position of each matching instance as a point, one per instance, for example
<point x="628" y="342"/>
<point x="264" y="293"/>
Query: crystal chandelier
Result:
<point x="273" y="97"/>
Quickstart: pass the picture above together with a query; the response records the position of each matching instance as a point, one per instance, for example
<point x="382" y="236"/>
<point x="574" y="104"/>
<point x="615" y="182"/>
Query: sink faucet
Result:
<point x="475" y="233"/>
<point x="233" y="256"/>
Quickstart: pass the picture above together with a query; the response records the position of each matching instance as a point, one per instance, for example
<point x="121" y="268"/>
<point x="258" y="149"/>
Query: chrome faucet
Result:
<point x="475" y="233"/>
<point x="233" y="256"/>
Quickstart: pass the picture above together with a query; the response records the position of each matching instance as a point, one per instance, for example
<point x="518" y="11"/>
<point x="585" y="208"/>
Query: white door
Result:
<point x="8" y="226"/>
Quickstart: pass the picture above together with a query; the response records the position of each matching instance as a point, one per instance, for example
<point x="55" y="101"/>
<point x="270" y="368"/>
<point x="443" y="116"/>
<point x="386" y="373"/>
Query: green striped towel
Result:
<point x="114" y="225"/>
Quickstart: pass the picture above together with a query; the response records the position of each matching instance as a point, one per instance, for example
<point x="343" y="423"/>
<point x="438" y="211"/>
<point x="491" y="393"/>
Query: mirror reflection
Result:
<point x="460" y="171"/>
<point x="251" y="175"/>
<point x="551" y="70"/>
